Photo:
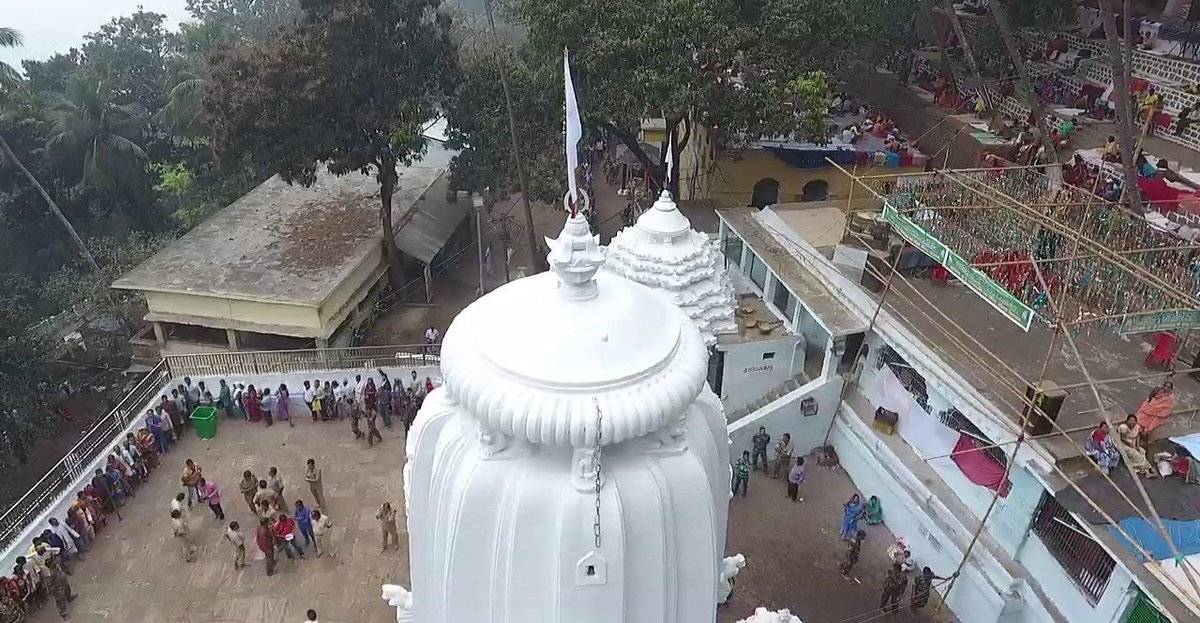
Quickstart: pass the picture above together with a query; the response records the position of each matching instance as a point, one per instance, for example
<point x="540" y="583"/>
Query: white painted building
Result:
<point x="1035" y="561"/>
<point x="575" y="466"/>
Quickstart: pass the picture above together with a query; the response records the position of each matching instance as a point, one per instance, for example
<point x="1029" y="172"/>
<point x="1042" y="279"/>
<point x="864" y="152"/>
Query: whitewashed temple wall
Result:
<point x="784" y="416"/>
<point x="754" y="368"/>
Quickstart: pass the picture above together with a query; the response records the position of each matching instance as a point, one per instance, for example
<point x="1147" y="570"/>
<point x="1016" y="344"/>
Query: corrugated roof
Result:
<point x="432" y="221"/>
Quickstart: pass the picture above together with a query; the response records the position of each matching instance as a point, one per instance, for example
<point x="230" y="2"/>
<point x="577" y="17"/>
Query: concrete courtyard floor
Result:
<point x="135" y="570"/>
<point x="793" y="550"/>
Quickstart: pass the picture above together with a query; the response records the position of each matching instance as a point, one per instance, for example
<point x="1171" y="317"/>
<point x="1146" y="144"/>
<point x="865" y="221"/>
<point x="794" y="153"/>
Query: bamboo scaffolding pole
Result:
<point x="1147" y="312"/>
<point x="1012" y="460"/>
<point x="1105" y="252"/>
<point x="1127" y="379"/>
<point x="858" y="353"/>
<point x="1053" y="465"/>
<point x="1158" y="523"/>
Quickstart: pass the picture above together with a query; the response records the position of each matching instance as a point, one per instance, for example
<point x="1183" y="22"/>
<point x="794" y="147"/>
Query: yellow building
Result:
<point x="286" y="266"/>
<point x="766" y="172"/>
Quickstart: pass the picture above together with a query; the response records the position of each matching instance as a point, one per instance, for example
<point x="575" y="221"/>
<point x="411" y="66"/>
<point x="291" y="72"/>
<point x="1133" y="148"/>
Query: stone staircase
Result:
<point x="774" y="394"/>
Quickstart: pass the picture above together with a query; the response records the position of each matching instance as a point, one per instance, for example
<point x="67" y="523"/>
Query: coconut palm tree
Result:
<point x="9" y="38"/>
<point x="9" y="76"/>
<point x="90" y="128"/>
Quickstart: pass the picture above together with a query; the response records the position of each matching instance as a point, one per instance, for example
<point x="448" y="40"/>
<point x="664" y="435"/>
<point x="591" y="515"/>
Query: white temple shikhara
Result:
<point x="664" y="252"/>
<point x="574" y="467"/>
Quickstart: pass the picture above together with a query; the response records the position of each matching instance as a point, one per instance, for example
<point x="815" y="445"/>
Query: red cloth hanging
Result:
<point x="1164" y="351"/>
<point x="978" y="467"/>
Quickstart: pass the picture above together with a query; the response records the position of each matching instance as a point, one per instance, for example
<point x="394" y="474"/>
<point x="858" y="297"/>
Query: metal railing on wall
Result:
<point x="95" y="442"/>
<point x="100" y="437"/>
<point x="291" y="361"/>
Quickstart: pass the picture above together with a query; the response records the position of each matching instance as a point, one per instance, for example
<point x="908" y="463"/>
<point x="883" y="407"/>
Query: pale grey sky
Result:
<point x="51" y="26"/>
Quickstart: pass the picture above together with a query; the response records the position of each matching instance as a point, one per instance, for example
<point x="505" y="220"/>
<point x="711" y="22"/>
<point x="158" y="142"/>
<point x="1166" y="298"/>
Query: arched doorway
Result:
<point x="766" y="193"/>
<point x="816" y="190"/>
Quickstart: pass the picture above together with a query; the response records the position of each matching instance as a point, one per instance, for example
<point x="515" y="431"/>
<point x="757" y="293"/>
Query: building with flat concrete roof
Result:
<point x="1032" y="546"/>
<point x="288" y="266"/>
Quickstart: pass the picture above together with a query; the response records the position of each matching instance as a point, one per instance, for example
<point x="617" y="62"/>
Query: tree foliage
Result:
<point x="478" y="126"/>
<point x="92" y="130"/>
<point x="369" y="74"/>
<point x="745" y="69"/>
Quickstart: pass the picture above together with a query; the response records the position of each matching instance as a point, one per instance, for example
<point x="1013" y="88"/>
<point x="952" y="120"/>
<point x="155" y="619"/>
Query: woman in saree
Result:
<point x="1100" y="448"/>
<point x="874" y="511"/>
<point x="253" y="408"/>
<point x="1128" y="442"/>
<point x="282" y="409"/>
<point x="852" y="510"/>
<point x="1156" y="409"/>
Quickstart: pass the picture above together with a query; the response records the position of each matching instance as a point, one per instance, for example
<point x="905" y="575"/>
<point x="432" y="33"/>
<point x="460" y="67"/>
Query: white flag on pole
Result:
<point x="670" y="160"/>
<point x="574" y="129"/>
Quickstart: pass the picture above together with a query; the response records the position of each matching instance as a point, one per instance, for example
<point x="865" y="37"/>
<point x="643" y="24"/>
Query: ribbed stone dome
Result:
<point x="574" y="467"/>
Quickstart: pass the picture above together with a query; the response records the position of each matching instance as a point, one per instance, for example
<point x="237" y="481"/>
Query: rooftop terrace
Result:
<point x="286" y="243"/>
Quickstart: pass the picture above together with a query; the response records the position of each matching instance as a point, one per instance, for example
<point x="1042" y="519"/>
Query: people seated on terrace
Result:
<point x="1076" y="173"/>
<point x="848" y="136"/>
<point x="1143" y="166"/>
<point x="1166" y="172"/>
<point x="1061" y="135"/>
<point x="1111" y="151"/>
<point x="1156" y="409"/>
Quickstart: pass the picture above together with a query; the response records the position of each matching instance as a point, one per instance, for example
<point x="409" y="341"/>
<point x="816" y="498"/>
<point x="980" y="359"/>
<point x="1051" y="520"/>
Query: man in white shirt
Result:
<point x="432" y="335"/>
<point x="309" y="394"/>
<point x="321" y="528"/>
<point x="414" y="383"/>
<point x="359" y="386"/>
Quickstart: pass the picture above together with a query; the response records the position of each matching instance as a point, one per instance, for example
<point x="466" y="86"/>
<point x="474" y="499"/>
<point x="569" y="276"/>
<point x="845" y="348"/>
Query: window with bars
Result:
<point x="953" y="418"/>
<point x="909" y="377"/>
<point x="1084" y="560"/>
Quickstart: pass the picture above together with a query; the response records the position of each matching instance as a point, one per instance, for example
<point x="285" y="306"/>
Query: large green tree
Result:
<point x="478" y="126"/>
<point x="350" y="87"/>
<point x="745" y="69"/>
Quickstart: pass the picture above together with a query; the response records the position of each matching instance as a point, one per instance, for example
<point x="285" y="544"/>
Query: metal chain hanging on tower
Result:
<point x="596" y="468"/>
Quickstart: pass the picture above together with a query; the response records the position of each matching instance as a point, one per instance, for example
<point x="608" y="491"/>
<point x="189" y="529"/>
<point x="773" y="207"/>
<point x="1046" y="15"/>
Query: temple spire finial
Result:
<point x="576" y="254"/>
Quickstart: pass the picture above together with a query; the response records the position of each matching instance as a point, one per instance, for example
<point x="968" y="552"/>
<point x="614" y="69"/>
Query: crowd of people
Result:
<point x="324" y="400"/>
<point x="1132" y="441"/>
<point x="42" y="575"/>
<point x="779" y="462"/>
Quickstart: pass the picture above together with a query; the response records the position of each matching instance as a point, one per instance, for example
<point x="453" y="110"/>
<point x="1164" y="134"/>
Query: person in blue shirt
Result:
<point x="303" y="517"/>
<point x="154" y="422"/>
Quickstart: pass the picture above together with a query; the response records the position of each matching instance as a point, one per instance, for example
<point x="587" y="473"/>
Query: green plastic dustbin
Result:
<point x="205" y="421"/>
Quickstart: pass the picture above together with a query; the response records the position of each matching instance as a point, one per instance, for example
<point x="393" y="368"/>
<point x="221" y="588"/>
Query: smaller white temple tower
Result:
<point x="662" y="251"/>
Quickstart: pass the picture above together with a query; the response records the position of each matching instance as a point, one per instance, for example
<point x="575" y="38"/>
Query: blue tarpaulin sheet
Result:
<point x="1185" y="535"/>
